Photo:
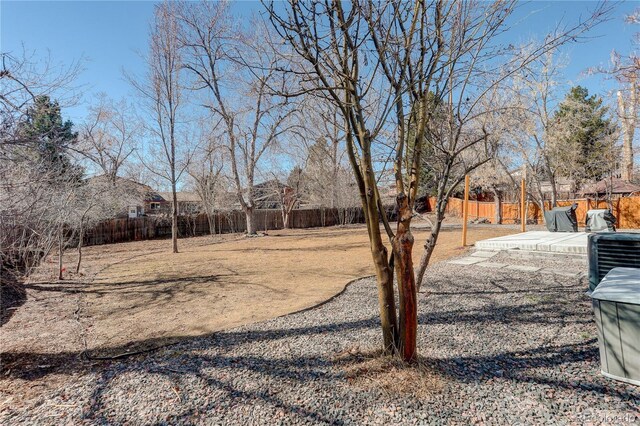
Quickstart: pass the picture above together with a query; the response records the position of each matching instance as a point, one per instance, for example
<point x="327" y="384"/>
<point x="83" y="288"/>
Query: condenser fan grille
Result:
<point x="608" y="251"/>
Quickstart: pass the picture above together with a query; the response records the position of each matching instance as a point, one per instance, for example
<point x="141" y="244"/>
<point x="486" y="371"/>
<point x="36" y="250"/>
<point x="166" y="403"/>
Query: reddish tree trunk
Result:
<point x="402" y="249"/>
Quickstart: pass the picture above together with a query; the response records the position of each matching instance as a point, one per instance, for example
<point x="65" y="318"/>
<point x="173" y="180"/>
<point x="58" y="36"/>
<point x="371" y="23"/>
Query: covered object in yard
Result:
<point x="562" y="219"/>
<point x="600" y="220"/>
<point x="616" y="305"/>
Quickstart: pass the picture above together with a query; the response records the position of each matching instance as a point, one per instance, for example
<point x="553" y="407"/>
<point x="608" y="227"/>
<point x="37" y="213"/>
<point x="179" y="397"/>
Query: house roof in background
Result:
<point x="182" y="196"/>
<point x="618" y="186"/>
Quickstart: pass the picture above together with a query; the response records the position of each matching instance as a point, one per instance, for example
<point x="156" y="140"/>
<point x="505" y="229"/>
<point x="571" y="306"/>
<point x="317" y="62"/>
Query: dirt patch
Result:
<point x="146" y="296"/>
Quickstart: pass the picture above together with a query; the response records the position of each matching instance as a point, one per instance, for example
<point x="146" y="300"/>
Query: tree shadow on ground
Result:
<point x="548" y="312"/>
<point x="206" y="357"/>
<point x="12" y="295"/>
<point x="189" y="359"/>
<point x="140" y="286"/>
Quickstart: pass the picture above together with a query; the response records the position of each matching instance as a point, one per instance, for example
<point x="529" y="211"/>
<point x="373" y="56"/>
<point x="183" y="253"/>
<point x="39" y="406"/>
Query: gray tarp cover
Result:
<point x="562" y="219"/>
<point x="600" y="220"/>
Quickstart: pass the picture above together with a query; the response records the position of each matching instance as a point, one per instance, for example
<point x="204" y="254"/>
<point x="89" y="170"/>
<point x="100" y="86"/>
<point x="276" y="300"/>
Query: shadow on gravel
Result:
<point x="216" y="359"/>
<point x="181" y="361"/>
<point x="30" y="366"/>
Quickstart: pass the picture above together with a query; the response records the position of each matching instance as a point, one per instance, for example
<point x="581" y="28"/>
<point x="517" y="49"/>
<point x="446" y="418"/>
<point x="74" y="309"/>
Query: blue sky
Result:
<point x="111" y="36"/>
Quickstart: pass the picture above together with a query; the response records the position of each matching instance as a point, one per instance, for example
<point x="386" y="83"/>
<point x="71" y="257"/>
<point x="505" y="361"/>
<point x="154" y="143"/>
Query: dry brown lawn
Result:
<point x="134" y="296"/>
<point x="141" y="295"/>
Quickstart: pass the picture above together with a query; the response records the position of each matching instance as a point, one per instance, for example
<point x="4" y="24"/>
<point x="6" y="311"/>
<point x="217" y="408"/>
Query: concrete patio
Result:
<point x="539" y="241"/>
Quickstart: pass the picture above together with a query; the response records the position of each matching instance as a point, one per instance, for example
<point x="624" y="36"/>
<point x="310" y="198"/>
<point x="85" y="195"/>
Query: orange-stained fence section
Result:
<point x="626" y="210"/>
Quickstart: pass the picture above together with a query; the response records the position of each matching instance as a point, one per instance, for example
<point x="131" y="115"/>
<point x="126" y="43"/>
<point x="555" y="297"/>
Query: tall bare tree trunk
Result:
<point x="212" y="223"/>
<point x="628" y="117"/>
<point x="554" y="192"/>
<point x="334" y="172"/>
<point x="252" y="225"/>
<point x="286" y="215"/>
<point x="386" y="300"/>
<point x="60" y="251"/>
<point x="163" y="91"/>
<point x="174" y="214"/>
<point x="80" y="238"/>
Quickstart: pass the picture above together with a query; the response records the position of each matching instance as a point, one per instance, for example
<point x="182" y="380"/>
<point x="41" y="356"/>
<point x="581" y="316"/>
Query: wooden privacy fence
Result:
<point x="146" y="228"/>
<point x="625" y="209"/>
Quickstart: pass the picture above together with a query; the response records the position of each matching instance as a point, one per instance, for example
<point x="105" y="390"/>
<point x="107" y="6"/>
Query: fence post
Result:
<point x="465" y="210"/>
<point x="523" y="202"/>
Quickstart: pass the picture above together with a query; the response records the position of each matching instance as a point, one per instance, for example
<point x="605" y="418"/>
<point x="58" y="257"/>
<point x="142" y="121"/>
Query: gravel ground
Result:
<point x="501" y="347"/>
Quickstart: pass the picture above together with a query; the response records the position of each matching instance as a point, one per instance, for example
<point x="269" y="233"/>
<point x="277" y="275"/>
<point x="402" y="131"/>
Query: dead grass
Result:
<point x="139" y="295"/>
<point x="389" y="374"/>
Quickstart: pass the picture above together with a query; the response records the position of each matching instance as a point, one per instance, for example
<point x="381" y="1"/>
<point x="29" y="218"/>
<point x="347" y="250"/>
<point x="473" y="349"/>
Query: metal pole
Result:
<point x="465" y="210"/>
<point x="523" y="203"/>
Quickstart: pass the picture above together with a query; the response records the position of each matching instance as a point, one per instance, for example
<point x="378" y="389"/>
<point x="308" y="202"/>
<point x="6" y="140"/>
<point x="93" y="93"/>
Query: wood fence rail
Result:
<point x="625" y="209"/>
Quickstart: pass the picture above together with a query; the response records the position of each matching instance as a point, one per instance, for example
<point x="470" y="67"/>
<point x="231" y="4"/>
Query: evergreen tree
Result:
<point x="296" y="177"/>
<point x="581" y="135"/>
<point x="48" y="139"/>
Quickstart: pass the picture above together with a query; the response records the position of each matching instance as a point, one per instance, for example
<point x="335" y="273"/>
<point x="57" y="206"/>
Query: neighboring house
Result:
<point x="138" y="196"/>
<point x="266" y="195"/>
<point x="615" y="187"/>
<point x="153" y="203"/>
<point x="142" y="200"/>
<point x="269" y="194"/>
<point x="565" y="187"/>
<point x="135" y="211"/>
<point x="188" y="203"/>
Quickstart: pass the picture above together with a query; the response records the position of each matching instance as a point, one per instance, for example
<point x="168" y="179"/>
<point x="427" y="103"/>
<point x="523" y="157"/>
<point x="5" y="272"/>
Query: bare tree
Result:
<point x="206" y="172"/>
<point x="626" y="70"/>
<point x="330" y="37"/>
<point x="221" y="55"/>
<point x="98" y="199"/>
<point x="328" y="180"/>
<point x="162" y="92"/>
<point x="494" y="176"/>
<point x="628" y="105"/>
<point x="110" y="135"/>
<point x="24" y="78"/>
<point x="288" y="194"/>
<point x="536" y="90"/>
<point x="415" y="60"/>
